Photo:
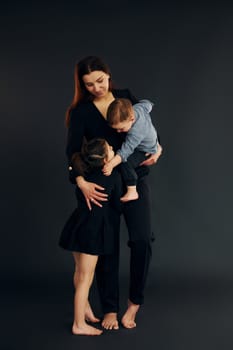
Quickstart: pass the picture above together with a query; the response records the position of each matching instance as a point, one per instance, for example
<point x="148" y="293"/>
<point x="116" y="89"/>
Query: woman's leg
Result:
<point x="85" y="269"/>
<point x="107" y="277"/>
<point x="138" y="220"/>
<point x="107" y="281"/>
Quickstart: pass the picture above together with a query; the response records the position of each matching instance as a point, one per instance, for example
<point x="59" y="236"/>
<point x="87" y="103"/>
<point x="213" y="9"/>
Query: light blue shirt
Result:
<point x="142" y="135"/>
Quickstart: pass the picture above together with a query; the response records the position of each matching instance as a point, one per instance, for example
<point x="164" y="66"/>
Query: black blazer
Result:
<point x="87" y="122"/>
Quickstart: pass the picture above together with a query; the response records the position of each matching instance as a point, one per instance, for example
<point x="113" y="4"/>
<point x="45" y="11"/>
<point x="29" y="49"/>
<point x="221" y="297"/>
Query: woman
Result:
<point x="86" y="119"/>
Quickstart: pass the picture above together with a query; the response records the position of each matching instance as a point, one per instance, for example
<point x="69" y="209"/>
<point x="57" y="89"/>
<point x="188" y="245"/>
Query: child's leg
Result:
<point x="130" y="195"/>
<point x="89" y="315"/>
<point x="130" y="176"/>
<point x="85" y="268"/>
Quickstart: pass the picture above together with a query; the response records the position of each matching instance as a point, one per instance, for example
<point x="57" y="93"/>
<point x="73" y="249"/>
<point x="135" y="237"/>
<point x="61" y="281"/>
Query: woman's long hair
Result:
<point x="85" y="66"/>
<point x="91" y="157"/>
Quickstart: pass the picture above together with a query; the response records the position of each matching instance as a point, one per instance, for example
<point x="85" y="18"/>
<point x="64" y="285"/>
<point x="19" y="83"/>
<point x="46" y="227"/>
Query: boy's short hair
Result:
<point x="119" y="110"/>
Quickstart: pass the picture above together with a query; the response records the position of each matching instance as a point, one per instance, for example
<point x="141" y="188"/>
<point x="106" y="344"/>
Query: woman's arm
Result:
<point x="131" y="97"/>
<point x="91" y="192"/>
<point x="153" y="158"/>
<point x="75" y="137"/>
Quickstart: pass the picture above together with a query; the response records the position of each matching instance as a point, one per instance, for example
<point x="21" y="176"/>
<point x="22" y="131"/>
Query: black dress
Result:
<point x="92" y="231"/>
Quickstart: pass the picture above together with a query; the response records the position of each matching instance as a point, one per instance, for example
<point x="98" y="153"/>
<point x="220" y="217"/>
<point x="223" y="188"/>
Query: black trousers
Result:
<point x="137" y="216"/>
<point x="128" y="168"/>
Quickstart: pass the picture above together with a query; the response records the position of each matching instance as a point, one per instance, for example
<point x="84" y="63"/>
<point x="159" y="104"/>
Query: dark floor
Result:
<point x="180" y="315"/>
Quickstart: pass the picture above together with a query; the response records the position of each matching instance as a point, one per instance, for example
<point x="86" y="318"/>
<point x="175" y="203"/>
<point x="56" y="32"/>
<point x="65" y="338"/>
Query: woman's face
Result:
<point x="97" y="83"/>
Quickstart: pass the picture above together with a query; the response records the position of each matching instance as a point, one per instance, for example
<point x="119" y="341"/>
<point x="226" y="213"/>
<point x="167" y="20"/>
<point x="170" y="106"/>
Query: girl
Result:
<point x="90" y="233"/>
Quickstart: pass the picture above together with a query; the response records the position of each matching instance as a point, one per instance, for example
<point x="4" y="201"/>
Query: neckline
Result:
<point x="93" y="104"/>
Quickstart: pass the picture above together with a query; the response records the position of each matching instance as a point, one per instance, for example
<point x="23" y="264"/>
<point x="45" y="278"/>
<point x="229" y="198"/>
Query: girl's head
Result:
<point x="92" y="79"/>
<point x="94" y="155"/>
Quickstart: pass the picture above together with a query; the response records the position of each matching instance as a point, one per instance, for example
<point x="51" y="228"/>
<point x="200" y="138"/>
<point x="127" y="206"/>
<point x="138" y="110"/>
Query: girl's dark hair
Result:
<point x="85" y="66"/>
<point x="91" y="157"/>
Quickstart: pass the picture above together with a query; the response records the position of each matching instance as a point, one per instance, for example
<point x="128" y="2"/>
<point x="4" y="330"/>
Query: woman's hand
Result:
<point x="91" y="192"/>
<point x="153" y="158"/>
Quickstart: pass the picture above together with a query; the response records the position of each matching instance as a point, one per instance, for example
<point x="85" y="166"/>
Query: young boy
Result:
<point x="141" y="140"/>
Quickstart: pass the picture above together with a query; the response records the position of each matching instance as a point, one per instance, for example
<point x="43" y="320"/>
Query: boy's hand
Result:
<point x="107" y="169"/>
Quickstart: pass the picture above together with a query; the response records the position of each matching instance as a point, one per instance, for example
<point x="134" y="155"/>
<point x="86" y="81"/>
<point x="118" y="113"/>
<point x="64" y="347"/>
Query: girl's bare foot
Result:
<point x="128" y="320"/>
<point x="110" y="321"/>
<point x="85" y="330"/>
<point x="89" y="315"/>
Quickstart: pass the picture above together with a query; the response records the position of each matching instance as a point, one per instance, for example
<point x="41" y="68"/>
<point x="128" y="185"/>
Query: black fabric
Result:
<point x="87" y="122"/>
<point x="107" y="274"/>
<point x="137" y="215"/>
<point x="128" y="169"/>
<point x="92" y="231"/>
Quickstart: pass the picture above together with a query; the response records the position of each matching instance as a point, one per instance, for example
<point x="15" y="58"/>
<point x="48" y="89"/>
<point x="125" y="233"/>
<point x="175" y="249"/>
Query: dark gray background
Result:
<point x="177" y="54"/>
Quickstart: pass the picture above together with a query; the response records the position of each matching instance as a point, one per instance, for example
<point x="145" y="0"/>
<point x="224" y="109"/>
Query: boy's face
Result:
<point x="124" y="126"/>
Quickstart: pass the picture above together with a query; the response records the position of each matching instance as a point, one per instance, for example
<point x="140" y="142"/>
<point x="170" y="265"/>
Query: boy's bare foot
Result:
<point x="110" y="321"/>
<point x="128" y="320"/>
<point x="89" y="315"/>
<point x="129" y="196"/>
<point x="85" y="330"/>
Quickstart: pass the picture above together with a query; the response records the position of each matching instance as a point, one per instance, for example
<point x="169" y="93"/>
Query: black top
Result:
<point x="87" y="122"/>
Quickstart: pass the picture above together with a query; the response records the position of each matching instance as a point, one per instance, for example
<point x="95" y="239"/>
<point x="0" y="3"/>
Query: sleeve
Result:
<point x="146" y="105"/>
<point x="131" y="142"/>
<point x="131" y="97"/>
<point x="75" y="137"/>
<point x="141" y="170"/>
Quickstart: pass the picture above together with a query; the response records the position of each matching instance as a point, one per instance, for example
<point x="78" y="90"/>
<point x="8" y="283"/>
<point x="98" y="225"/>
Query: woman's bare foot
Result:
<point x="89" y="315"/>
<point x="128" y="320"/>
<point x="85" y="330"/>
<point x="110" y="321"/>
<point x="131" y="194"/>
